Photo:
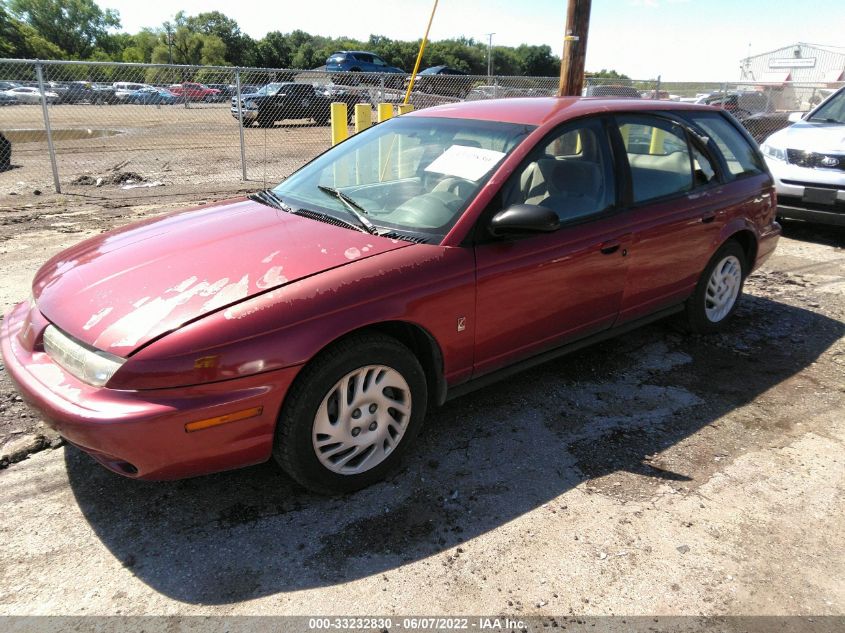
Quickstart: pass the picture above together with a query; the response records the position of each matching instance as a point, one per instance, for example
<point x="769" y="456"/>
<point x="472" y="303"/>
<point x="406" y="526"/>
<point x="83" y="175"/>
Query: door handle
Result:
<point x="707" y="218"/>
<point x="609" y="248"/>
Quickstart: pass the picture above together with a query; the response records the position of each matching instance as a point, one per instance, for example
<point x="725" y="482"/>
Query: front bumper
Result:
<point x="792" y="183"/>
<point x="141" y="434"/>
<point x="248" y="115"/>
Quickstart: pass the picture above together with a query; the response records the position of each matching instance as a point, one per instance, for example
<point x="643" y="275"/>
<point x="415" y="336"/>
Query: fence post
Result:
<point x="381" y="95"/>
<point x="657" y="89"/>
<point x="240" y="121"/>
<point x="495" y="87"/>
<point x="50" y="148"/>
<point x="724" y="93"/>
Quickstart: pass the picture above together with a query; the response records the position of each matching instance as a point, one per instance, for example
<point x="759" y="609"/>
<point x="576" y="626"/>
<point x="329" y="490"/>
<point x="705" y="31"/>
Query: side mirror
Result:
<point x="794" y="117"/>
<point x="524" y="219"/>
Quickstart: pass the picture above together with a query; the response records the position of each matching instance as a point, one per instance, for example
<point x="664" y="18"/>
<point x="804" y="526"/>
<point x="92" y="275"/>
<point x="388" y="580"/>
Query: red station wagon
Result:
<point x="316" y="322"/>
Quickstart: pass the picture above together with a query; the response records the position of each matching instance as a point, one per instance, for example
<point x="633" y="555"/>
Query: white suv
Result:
<point x="807" y="160"/>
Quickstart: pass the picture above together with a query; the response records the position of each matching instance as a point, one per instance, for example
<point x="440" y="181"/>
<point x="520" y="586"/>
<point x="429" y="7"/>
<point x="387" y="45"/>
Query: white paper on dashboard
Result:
<point x="470" y="163"/>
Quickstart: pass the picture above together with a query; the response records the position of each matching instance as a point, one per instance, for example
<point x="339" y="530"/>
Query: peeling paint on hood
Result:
<point x="122" y="289"/>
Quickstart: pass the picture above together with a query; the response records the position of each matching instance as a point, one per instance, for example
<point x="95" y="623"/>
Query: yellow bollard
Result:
<point x="363" y="117"/>
<point x="385" y="112"/>
<point x="405" y="108"/>
<point x="625" y="131"/>
<point x="340" y="131"/>
<point x="657" y="138"/>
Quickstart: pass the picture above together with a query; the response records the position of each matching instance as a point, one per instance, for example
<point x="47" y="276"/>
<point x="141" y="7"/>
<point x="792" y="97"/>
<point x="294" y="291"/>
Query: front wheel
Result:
<point x="351" y="414"/>
<point x="717" y="293"/>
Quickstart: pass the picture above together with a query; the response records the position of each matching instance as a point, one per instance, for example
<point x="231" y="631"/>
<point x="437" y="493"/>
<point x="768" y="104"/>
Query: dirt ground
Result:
<point x="658" y="473"/>
<point x="191" y="151"/>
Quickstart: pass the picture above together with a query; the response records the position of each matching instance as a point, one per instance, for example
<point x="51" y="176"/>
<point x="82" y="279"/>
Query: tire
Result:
<point x="313" y="416"/>
<point x="719" y="289"/>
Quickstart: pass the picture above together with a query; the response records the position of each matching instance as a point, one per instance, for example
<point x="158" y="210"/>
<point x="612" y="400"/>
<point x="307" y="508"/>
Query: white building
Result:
<point x="796" y="76"/>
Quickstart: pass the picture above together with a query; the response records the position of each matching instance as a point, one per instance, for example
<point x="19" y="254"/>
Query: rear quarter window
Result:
<point x="740" y="155"/>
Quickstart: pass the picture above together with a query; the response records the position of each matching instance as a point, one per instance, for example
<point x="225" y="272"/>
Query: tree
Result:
<point x="20" y="40"/>
<point x="239" y="48"/>
<point x="273" y="51"/>
<point x="607" y="74"/>
<point x="76" y="27"/>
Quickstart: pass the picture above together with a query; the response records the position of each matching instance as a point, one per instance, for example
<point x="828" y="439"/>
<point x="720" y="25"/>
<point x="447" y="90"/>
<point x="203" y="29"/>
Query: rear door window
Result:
<point x="741" y="157"/>
<point x="658" y="155"/>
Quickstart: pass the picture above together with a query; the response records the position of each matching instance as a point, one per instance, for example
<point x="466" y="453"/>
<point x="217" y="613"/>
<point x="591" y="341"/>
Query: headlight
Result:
<point x="778" y="153"/>
<point x="89" y="365"/>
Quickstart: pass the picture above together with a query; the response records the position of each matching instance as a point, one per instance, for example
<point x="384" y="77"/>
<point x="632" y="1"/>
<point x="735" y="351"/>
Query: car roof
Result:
<point x="542" y="110"/>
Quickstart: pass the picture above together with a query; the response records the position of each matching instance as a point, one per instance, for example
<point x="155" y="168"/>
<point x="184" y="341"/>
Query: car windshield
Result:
<point x="409" y="174"/>
<point x="269" y="89"/>
<point x="832" y="111"/>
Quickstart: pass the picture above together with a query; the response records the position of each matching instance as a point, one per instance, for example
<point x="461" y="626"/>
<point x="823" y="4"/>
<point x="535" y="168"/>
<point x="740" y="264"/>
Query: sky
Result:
<point x="679" y="40"/>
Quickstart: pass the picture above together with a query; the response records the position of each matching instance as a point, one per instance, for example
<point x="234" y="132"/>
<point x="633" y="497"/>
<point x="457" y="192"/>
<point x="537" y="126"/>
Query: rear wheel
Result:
<point x="718" y="290"/>
<point x="351" y="414"/>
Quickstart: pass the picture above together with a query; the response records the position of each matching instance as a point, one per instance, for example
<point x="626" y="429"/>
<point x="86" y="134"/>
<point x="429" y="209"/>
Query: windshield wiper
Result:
<point x="354" y="208"/>
<point x="268" y="197"/>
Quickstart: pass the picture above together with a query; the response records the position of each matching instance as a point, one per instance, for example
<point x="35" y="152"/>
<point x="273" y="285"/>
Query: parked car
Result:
<point x="103" y="94"/>
<point x="360" y="62"/>
<point x="152" y="96"/>
<point x="123" y="90"/>
<point x="741" y="104"/>
<point x="72" y="91"/>
<point x="764" y="124"/>
<point x="225" y="91"/>
<point x="8" y="85"/>
<point x="195" y="92"/>
<point x="479" y="93"/>
<point x="426" y="256"/>
<point x="442" y="80"/>
<point x="25" y="94"/>
<point x="289" y="100"/>
<point x="611" y="90"/>
<point x="7" y="99"/>
<point x="807" y="160"/>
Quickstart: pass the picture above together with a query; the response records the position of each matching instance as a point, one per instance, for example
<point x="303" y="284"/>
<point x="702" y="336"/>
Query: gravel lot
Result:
<point x="658" y="473"/>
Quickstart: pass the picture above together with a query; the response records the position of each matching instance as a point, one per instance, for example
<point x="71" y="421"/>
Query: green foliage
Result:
<point x="607" y="74"/>
<point x="79" y="29"/>
<point x="76" y="27"/>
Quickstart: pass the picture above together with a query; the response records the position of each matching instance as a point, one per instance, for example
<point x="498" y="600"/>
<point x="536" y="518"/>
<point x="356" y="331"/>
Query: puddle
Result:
<point x="60" y="134"/>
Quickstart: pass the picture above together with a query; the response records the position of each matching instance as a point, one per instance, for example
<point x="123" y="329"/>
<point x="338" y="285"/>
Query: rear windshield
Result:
<point x="741" y="156"/>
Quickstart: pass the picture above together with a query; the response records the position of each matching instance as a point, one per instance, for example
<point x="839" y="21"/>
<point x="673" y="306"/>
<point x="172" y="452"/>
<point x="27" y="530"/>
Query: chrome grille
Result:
<point x="815" y="160"/>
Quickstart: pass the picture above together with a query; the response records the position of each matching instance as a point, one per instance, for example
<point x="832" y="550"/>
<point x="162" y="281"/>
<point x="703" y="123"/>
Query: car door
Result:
<point x="675" y="202"/>
<point x="366" y="62"/>
<point x="542" y="291"/>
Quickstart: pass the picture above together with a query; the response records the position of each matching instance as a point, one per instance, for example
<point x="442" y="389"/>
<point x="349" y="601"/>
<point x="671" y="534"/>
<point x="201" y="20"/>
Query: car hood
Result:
<point x="808" y="136"/>
<point x="122" y="289"/>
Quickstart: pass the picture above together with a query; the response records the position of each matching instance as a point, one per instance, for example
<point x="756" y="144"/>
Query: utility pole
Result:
<point x="574" y="48"/>
<point x="489" y="55"/>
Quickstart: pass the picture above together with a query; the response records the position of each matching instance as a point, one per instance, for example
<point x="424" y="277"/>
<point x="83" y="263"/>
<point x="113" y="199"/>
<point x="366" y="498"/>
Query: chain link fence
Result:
<point x="107" y="128"/>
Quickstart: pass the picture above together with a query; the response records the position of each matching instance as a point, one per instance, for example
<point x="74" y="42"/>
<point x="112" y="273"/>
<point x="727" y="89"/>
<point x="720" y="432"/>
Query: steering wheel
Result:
<point x="459" y="187"/>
